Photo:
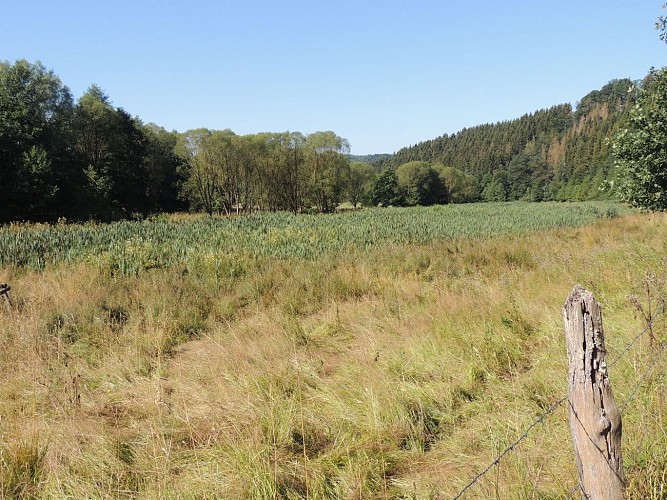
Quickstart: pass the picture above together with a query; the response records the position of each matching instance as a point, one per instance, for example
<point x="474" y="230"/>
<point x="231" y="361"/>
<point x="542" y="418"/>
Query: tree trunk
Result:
<point x="595" y="421"/>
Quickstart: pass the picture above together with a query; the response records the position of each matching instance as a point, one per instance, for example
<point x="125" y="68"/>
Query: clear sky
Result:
<point x="382" y="74"/>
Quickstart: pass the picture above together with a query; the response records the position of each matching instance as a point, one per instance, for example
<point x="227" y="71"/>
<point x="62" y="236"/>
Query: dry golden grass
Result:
<point x="398" y="373"/>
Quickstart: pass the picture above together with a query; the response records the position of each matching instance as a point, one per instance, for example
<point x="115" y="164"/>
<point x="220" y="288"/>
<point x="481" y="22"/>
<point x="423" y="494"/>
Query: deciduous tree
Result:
<point x="386" y="191"/>
<point x="421" y="184"/>
<point x="328" y="169"/>
<point x="361" y="178"/>
<point x="640" y="148"/>
<point x="35" y="112"/>
<point x="461" y="187"/>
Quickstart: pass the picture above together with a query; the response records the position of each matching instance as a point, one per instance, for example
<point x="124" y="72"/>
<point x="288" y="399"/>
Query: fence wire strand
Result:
<point x="551" y="409"/>
<point x="511" y="447"/>
<point x="647" y="328"/>
<point x="629" y="399"/>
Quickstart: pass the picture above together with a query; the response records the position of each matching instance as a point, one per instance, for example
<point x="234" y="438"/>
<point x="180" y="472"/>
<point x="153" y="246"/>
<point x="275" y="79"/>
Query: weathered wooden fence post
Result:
<point x="595" y="421"/>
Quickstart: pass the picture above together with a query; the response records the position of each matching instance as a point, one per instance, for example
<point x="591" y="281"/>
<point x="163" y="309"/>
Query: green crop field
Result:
<point x="129" y="247"/>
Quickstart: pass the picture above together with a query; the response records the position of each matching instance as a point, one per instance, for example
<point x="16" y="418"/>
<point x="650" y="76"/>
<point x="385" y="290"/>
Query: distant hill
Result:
<point x="558" y="153"/>
<point x="370" y="158"/>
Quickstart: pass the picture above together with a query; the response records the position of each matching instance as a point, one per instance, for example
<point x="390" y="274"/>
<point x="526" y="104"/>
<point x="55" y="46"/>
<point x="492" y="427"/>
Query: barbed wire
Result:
<point x="647" y="328"/>
<point x="628" y="347"/>
<point x="629" y="399"/>
<point x="511" y="447"/>
<point x="551" y="409"/>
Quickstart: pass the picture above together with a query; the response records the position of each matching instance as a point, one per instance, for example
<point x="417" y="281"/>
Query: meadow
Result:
<point x="373" y="354"/>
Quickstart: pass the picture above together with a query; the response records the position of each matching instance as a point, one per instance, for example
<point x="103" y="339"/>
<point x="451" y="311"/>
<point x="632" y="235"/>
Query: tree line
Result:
<point x="87" y="159"/>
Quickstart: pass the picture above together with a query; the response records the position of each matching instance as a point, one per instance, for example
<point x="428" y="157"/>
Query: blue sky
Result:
<point x="384" y="75"/>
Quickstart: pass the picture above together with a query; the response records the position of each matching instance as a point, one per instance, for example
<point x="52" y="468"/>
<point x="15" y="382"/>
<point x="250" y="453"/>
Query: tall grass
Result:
<point x="396" y="371"/>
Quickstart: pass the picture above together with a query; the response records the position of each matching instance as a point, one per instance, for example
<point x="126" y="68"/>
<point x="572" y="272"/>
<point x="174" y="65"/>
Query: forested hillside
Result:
<point x="559" y="153"/>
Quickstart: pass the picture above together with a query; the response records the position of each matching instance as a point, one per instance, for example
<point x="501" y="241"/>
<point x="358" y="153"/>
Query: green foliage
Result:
<point x="94" y="126"/>
<point x="496" y="190"/>
<point x="329" y="169"/>
<point x="614" y="94"/>
<point x="421" y="184"/>
<point x="386" y="191"/>
<point x="361" y="178"/>
<point x="201" y="151"/>
<point x="527" y="178"/>
<point x="78" y="161"/>
<point x="163" y="169"/>
<point x="112" y="150"/>
<point x="36" y="180"/>
<point x="370" y="158"/>
<point x="661" y="26"/>
<point x="35" y="108"/>
<point x="641" y="148"/>
<point x="285" y="171"/>
<point x="461" y="187"/>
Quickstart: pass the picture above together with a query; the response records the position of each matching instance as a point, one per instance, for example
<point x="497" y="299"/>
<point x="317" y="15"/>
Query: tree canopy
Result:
<point x="640" y="148"/>
<point x="35" y="111"/>
<point x="421" y="184"/>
